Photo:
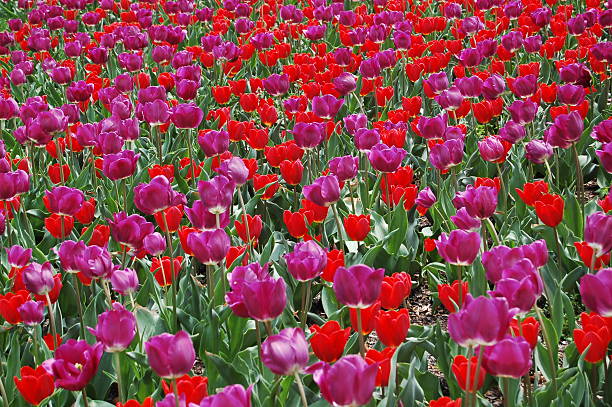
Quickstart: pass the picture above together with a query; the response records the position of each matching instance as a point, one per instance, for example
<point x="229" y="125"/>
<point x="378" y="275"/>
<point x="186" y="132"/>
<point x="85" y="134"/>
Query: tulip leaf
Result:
<point x="227" y="370"/>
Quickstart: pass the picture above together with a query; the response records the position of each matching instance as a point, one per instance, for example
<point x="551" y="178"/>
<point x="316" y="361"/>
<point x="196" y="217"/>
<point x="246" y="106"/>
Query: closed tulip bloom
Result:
<point x="570" y="94"/>
<point x="464" y="221"/>
<point x="392" y="327"/>
<point x="116" y="328"/>
<point x="38" y="278"/>
<point x="426" y="198"/>
<point x="605" y="156"/>
<point x="523" y="112"/>
<point x="522" y="293"/>
<point x="18" y="256"/>
<point x="241" y="274"/>
<point x="596" y="235"/>
<point x="386" y="159"/>
<point x="394" y="290"/>
<point x="432" y="127"/>
<point x="538" y="151"/>
<point x="512" y="132"/>
<point x="357" y="227"/>
<point x="124" y="281"/>
<point x="479" y="202"/>
<point x="481" y="321"/>
<point x="130" y="230"/>
<point x="154" y="244"/>
<point x="493" y="87"/>
<point x="358" y="286"/>
<point x="156" y="196"/>
<point x="156" y="112"/>
<point x="216" y="194"/>
<point x="234" y="395"/>
<point x="324" y="191"/>
<point x="170" y="356"/>
<point x="187" y="116"/>
<point x="596" y="292"/>
<point x="549" y="209"/>
<point x="512" y="42"/>
<point x="450" y="99"/>
<point x="566" y="130"/>
<point x="328" y="341"/>
<point x="354" y="122"/>
<point x="446" y="155"/>
<point x="202" y="219"/>
<point x="276" y="84"/>
<point x="285" y="353"/>
<point x="345" y="167"/>
<point x="32" y="312"/>
<point x="470" y="86"/>
<point x="365" y="139"/>
<point x="308" y="135"/>
<point x="306" y="261"/>
<point x="438" y="82"/>
<point x="292" y="171"/>
<point x="492" y="149"/>
<point x="594" y="337"/>
<point x="463" y="370"/>
<point x="213" y="142"/>
<point x="209" y="246"/>
<point x="95" y="262"/>
<point x="326" y="106"/>
<point x="348" y="382"/>
<point x="75" y="363"/>
<point x="459" y="247"/>
<point x="64" y="200"/>
<point x="235" y="170"/>
<point x="264" y="300"/>
<point x="345" y="83"/>
<point x="121" y="165"/>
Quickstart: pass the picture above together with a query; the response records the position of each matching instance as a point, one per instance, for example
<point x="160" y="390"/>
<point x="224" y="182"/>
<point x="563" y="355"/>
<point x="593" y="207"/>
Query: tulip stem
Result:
<point x="339" y="226"/>
<point x="476" y="374"/>
<point x="268" y="326"/>
<point x="191" y="161"/>
<point x="77" y="289"/>
<point x="174" y="279"/>
<point x="470" y="352"/>
<point x="107" y="293"/>
<point x="117" y="358"/>
<point x="546" y="335"/>
<point x="460" y="291"/>
<point x="506" y="389"/>
<point x="176" y="393"/>
<point x="158" y="143"/>
<point x="51" y="321"/>
<point x="579" y="178"/>
<point x="84" y="398"/>
<point x="360" y="334"/>
<point x="492" y="231"/>
<point x="258" y="335"/>
<point x="246" y="223"/>
<point x="305" y="302"/>
<point x="350" y="184"/>
<point x="558" y="245"/>
<point x="209" y="281"/>
<point x="300" y="385"/>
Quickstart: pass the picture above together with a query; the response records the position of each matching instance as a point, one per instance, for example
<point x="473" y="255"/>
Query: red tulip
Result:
<point x="55" y="174"/>
<point x="195" y="388"/>
<point x="596" y="338"/>
<point x="384" y="368"/>
<point x="460" y="370"/>
<point x="528" y="328"/>
<point x="86" y="214"/>
<point x="35" y="385"/>
<point x="328" y="341"/>
<point x="549" y="209"/>
<point x="53" y="225"/>
<point x="335" y="259"/>
<point x="148" y="402"/>
<point x="48" y="339"/>
<point x="100" y="235"/>
<point x="445" y="402"/>
<point x="292" y="171"/>
<point x="255" y="227"/>
<point x="295" y="223"/>
<point x="585" y="251"/>
<point x="9" y="304"/>
<point x="392" y="327"/>
<point x="260" y="181"/>
<point x="368" y="318"/>
<point x="163" y="270"/>
<point x="165" y="170"/>
<point x="449" y="295"/>
<point x="314" y="213"/>
<point x="357" y="226"/>
<point x="395" y="289"/>
<point x="532" y="192"/>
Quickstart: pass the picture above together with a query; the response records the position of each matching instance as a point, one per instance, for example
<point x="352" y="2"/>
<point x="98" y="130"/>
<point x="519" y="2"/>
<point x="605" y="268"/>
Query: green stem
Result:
<point x="492" y="231"/>
<point x="360" y="334"/>
<point x="546" y="335"/>
<point x="77" y="288"/>
<point x="51" y="321"/>
<point x="339" y="226"/>
<point x="477" y="374"/>
<point x="246" y="223"/>
<point x="579" y="177"/>
<point x="506" y="387"/>
<point x="470" y="352"/>
<point x="174" y="280"/>
<point x="84" y="398"/>
<point x="176" y="394"/>
<point x="298" y="380"/>
<point x="117" y="358"/>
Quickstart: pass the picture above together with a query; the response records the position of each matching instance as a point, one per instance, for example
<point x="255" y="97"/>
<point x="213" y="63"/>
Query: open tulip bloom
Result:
<point x="257" y="203"/>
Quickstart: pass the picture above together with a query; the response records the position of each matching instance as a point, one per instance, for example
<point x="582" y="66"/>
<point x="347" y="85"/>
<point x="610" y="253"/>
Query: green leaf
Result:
<point x="398" y="226"/>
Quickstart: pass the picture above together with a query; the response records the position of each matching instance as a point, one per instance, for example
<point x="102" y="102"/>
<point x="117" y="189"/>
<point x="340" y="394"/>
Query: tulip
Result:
<point x="357" y="227"/>
<point x="202" y="219"/>
<point x="452" y="295"/>
<point x="605" y="156"/>
<point x="308" y="135"/>
<point x="130" y="230"/>
<point x="446" y="155"/>
<point x="157" y="195"/>
<point x="493" y="87"/>
<point x="216" y="194"/>
<point x="354" y="122"/>
<point x="392" y="327"/>
<point x="549" y="209"/>
<point x="292" y="171"/>
<point x="38" y="279"/>
<point x="285" y="353"/>
<point x="383" y="361"/>
<point x="235" y="170"/>
<point x="276" y="85"/>
<point x="386" y="159"/>
<point x="124" y="281"/>
<point x="348" y="382"/>
<point x="75" y="363"/>
<point x="306" y="261"/>
<point x="32" y="312"/>
<point x="459" y="247"/>
<point x="210" y="246"/>
<point x="324" y="191"/>
<point x="213" y="142"/>
<point x="438" y="82"/>
<point x="234" y="395"/>
<point x="35" y="385"/>
<point x="596" y="338"/>
<point x="328" y="341"/>
<point x="510" y="357"/>
<point x="481" y="321"/>
<point x="520" y="286"/>
<point x="121" y="165"/>
<point x="154" y="244"/>
<point x="345" y="167"/>
<point x="326" y="106"/>
<point x="594" y="233"/>
<point x="264" y="300"/>
<point x="358" y="286"/>
<point x="94" y="262"/>
<point x="64" y="200"/>
<point x="479" y="202"/>
<point x="538" y="151"/>
<point x="432" y="127"/>
<point x="170" y="356"/>
<point x="595" y="290"/>
<point x="464" y="221"/>
<point x="460" y="369"/>
<point x="366" y="139"/>
<point x="116" y="328"/>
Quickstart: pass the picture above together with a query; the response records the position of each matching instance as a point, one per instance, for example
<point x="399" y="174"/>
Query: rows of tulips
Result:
<point x="232" y="204"/>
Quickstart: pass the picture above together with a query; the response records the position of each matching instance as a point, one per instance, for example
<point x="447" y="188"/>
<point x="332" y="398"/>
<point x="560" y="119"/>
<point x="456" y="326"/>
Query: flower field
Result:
<point x="305" y="203"/>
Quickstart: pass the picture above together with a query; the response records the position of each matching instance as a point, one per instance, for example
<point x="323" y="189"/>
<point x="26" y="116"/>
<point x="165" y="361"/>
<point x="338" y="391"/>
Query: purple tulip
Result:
<point x="450" y="99"/>
<point x="187" y="116"/>
<point x="470" y="57"/>
<point x="513" y="41"/>
<point x="438" y="82"/>
<point x="324" y="191"/>
<point x="121" y="165"/>
<point x="538" y="151"/>
<point x="523" y="112"/>
<point x="124" y="281"/>
<point x="214" y="142"/>
<point x="426" y="198"/>
<point x="216" y="194"/>
<point x="386" y="159"/>
<point x="345" y="83"/>
<point x="370" y="68"/>
<point x="308" y="135"/>
<point x="358" y="286"/>
<point x="235" y="170"/>
<point x="130" y="230"/>
<point x="576" y="73"/>
<point x="64" y="200"/>
<point x="154" y="244"/>
<point x="470" y="86"/>
<point x="18" y="256"/>
<point x="170" y="356"/>
<point x="156" y="196"/>
<point x="512" y="132"/>
<point x="464" y="221"/>
<point x="210" y="246"/>
<point x="565" y="131"/>
<point x="480" y="202"/>
<point x="38" y="278"/>
<point x="510" y="357"/>
<point x="471" y="25"/>
<point x="596" y="292"/>
<point x="13" y="183"/>
<point x="345" y="167"/>
<point x="156" y="112"/>
<point x="186" y="89"/>
<point x="354" y="122"/>
<point x="491" y="149"/>
<point x="459" y="247"/>
<point x="285" y="353"/>
<point x="533" y="44"/>
<point x="68" y="252"/>
<point x="365" y="139"/>
<point x="94" y="262"/>
<point x="446" y="155"/>
<point x="536" y="252"/>
<point x="596" y="233"/>
<point x="264" y="300"/>
<point x="605" y="156"/>
<point x="326" y="106"/>
<point x="202" y="219"/>
<point x="520" y="285"/>
<point x="570" y="94"/>
<point x="32" y="312"/>
<point x="74" y="364"/>
<point x="481" y="321"/>
<point x="276" y="85"/>
<point x="234" y="395"/>
<point x="306" y="261"/>
<point x="602" y="132"/>
<point x="240" y="275"/>
<point x="116" y="328"/>
<point x="348" y="382"/>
